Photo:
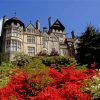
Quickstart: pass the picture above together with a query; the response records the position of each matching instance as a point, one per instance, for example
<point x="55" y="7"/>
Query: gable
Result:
<point x="30" y="28"/>
<point x="58" y="25"/>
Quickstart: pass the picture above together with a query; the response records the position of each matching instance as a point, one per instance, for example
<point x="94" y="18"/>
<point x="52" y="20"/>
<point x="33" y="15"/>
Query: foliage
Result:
<point x="66" y="85"/>
<point x="35" y="81"/>
<point x="16" y="89"/>
<point x="42" y="53"/>
<point x="3" y="81"/>
<point x="58" y="61"/>
<point x="37" y="75"/>
<point x="89" y="46"/>
<point x="21" y="59"/>
<point x="5" y="72"/>
<point x="93" y="86"/>
<point x="3" y="58"/>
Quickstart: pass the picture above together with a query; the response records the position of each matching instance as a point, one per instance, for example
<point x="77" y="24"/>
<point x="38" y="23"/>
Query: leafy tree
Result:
<point x="89" y="47"/>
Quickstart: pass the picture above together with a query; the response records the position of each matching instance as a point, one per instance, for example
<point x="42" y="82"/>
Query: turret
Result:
<point x="38" y="25"/>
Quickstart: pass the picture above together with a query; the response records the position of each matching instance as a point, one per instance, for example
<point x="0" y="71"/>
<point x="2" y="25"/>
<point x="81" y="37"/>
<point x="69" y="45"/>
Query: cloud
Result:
<point x="0" y="25"/>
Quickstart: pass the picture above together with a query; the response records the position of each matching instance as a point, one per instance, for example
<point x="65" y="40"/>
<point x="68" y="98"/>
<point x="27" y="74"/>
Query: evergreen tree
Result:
<point x="89" y="47"/>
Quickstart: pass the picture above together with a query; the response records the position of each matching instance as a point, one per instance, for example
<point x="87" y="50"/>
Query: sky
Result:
<point x="74" y="14"/>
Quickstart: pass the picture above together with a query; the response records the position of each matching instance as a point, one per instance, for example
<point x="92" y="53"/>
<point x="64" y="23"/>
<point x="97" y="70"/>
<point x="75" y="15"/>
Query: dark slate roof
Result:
<point x="14" y="20"/>
<point x="57" y="25"/>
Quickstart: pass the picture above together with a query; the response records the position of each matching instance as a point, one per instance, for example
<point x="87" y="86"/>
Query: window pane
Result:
<point x="31" y="51"/>
<point x="30" y="39"/>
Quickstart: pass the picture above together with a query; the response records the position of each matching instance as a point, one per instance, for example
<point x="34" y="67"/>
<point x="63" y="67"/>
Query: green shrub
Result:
<point x="21" y="60"/>
<point x="59" y="60"/>
<point x="6" y="70"/>
<point x="3" y="58"/>
<point x="37" y="75"/>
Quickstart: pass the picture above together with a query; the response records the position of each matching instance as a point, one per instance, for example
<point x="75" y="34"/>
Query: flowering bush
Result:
<point x="18" y="88"/>
<point x="67" y="84"/>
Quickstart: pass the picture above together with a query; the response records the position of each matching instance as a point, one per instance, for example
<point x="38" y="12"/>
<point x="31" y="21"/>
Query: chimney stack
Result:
<point x="50" y="22"/>
<point x="45" y="29"/>
<point x="73" y="34"/>
<point x="38" y="25"/>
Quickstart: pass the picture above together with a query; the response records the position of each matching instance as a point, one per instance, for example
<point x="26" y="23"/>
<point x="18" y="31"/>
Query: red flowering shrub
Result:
<point x="17" y="88"/>
<point x="72" y="91"/>
<point x="49" y="93"/>
<point x="69" y="74"/>
<point x="66" y="85"/>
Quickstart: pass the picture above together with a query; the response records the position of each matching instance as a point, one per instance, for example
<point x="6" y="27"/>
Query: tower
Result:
<point x="12" y="36"/>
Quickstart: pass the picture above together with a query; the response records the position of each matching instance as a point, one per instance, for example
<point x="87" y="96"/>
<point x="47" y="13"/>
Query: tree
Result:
<point x="89" y="47"/>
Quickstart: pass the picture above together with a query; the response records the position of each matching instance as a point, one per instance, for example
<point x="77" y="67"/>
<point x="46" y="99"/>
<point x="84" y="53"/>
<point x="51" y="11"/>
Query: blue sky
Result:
<point x="74" y="14"/>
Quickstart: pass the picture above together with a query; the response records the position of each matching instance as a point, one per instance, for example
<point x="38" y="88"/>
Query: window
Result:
<point x="14" y="30"/>
<point x="44" y="42"/>
<point x="19" y="46"/>
<point x="64" y="52"/>
<point x="8" y="31"/>
<point x="30" y="30"/>
<point x="14" y="45"/>
<point x="8" y="34"/>
<point x="31" y="51"/>
<point x="19" y="35"/>
<point x="8" y="45"/>
<point x="14" y="34"/>
<point x="30" y="39"/>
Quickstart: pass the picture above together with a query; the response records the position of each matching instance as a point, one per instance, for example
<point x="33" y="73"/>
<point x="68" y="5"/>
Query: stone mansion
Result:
<point x="16" y="38"/>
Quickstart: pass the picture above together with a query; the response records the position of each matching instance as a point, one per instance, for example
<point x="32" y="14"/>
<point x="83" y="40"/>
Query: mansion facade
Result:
<point x="16" y="38"/>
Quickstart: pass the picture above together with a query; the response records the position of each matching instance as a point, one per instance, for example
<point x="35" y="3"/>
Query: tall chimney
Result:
<point x="50" y="22"/>
<point x="45" y="29"/>
<point x="73" y="34"/>
<point x="38" y="25"/>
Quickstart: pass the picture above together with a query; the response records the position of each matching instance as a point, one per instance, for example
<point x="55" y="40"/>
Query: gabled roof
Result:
<point x="30" y="26"/>
<point x="57" y="25"/>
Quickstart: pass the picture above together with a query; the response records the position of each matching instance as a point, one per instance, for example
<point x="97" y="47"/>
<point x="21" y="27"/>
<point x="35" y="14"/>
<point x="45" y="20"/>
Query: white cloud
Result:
<point x="1" y="26"/>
